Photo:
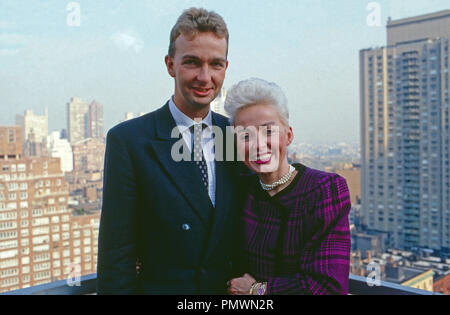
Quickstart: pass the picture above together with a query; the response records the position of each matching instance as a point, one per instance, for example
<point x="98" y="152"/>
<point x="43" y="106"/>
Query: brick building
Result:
<point x="88" y="155"/>
<point x="40" y="240"/>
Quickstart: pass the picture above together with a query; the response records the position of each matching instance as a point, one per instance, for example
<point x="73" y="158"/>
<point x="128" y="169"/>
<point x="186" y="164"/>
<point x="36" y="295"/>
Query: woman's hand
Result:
<point x="241" y="286"/>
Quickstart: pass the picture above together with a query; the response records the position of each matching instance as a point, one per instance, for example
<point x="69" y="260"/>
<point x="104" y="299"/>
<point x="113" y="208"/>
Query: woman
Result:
<point x="295" y="219"/>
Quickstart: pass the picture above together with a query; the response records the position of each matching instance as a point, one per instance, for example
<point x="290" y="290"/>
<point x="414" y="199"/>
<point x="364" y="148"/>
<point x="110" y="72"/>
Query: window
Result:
<point x="11" y="135"/>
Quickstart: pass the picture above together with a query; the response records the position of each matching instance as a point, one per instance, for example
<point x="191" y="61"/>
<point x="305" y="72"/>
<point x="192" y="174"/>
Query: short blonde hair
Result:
<point x="253" y="92"/>
<point x="198" y="20"/>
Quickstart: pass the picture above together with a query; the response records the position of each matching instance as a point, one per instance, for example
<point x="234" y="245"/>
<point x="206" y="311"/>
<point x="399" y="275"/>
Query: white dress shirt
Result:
<point x="184" y="124"/>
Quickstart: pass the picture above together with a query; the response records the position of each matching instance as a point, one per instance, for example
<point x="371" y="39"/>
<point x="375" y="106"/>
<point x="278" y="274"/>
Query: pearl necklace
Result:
<point x="281" y="181"/>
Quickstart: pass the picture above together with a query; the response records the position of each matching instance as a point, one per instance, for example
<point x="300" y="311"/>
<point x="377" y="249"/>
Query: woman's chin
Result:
<point x="261" y="168"/>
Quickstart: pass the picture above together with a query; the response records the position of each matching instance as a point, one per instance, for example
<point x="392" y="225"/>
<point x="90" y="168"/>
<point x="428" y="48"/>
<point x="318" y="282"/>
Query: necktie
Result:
<point x="197" y="152"/>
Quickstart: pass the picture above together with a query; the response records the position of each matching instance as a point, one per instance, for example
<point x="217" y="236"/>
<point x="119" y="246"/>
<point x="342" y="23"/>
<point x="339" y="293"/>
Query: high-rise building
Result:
<point x="40" y="240"/>
<point x="405" y="137"/>
<point x="95" y="121"/>
<point x="34" y="131"/>
<point x="32" y="125"/>
<point x="77" y="120"/>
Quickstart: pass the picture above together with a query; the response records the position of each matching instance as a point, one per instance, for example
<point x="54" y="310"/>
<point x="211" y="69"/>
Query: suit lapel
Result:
<point x="184" y="174"/>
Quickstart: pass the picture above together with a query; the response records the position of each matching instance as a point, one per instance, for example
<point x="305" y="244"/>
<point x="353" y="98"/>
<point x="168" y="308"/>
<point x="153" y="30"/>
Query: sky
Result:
<point x="116" y="55"/>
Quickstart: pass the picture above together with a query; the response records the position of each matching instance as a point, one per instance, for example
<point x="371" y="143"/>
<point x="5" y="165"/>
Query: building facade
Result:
<point x="77" y="120"/>
<point x="10" y="143"/>
<point x="405" y="138"/>
<point x="88" y="155"/>
<point x="60" y="148"/>
<point x="32" y="125"/>
<point x="95" y="121"/>
<point x="40" y="239"/>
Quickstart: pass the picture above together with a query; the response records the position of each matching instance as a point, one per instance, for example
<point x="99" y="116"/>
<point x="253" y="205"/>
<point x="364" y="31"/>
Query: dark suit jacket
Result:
<point x="157" y="211"/>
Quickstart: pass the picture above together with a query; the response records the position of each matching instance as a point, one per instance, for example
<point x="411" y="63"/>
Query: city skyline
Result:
<point x="116" y="56"/>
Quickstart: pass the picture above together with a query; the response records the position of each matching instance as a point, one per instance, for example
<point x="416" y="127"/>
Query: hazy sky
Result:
<point x="116" y="55"/>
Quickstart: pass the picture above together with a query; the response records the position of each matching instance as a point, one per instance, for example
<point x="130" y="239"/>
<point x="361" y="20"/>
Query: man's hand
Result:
<point x="241" y="286"/>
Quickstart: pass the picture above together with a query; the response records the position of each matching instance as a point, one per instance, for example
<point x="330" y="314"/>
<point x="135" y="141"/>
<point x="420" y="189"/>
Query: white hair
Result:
<point x="256" y="91"/>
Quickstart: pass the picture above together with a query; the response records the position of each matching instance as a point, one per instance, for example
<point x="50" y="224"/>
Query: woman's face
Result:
<point x="262" y="137"/>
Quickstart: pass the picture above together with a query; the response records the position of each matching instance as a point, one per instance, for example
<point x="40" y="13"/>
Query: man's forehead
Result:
<point x="199" y="41"/>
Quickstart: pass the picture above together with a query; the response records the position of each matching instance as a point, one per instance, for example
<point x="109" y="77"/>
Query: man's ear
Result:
<point x="169" y="65"/>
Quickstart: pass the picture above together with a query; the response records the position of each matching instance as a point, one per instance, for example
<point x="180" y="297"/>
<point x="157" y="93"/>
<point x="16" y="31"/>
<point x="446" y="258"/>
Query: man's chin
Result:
<point x="201" y="102"/>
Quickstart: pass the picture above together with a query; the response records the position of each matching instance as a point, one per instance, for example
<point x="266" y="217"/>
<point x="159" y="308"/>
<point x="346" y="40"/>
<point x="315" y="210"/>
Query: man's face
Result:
<point x="198" y="67"/>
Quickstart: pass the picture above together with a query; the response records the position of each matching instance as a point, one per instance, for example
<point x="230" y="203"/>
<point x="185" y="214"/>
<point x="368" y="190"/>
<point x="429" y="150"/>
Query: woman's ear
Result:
<point x="290" y="135"/>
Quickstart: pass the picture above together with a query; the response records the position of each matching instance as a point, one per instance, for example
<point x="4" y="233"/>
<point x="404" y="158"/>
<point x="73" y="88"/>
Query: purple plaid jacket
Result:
<point x="299" y="240"/>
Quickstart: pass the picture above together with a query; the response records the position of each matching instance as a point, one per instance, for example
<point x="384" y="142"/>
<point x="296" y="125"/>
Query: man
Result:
<point x="174" y="218"/>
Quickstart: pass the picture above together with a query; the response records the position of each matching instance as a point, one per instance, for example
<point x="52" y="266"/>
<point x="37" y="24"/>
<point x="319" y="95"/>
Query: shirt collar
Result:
<point x="184" y="122"/>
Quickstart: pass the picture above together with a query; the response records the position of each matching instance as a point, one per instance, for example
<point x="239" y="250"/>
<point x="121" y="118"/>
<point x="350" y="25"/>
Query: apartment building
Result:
<point x="405" y="138"/>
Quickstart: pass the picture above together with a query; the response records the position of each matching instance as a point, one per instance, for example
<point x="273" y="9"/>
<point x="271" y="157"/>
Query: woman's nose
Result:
<point x="262" y="143"/>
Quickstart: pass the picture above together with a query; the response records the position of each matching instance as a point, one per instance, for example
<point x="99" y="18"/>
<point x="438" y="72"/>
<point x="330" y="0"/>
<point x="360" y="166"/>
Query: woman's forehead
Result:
<point x="257" y="115"/>
<point x="253" y="128"/>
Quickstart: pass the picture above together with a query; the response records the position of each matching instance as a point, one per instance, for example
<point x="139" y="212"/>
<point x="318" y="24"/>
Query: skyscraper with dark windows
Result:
<point x="95" y="121"/>
<point x="405" y="137"/>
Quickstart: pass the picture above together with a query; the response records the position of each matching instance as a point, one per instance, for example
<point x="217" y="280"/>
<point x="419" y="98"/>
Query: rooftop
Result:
<point x="357" y="286"/>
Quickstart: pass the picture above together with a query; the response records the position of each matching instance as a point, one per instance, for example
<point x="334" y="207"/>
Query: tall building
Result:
<point x="32" y="125"/>
<point x="40" y="240"/>
<point x="95" y="120"/>
<point x="218" y="105"/>
<point x="77" y="120"/>
<point x="405" y="138"/>
<point x="34" y="131"/>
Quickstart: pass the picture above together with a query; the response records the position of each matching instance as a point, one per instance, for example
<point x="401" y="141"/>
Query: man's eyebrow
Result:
<point x="190" y="57"/>
<point x="219" y="60"/>
<point x="197" y="58"/>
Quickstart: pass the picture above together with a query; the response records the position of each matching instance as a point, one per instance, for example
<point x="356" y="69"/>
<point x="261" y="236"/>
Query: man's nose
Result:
<point x="204" y="75"/>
